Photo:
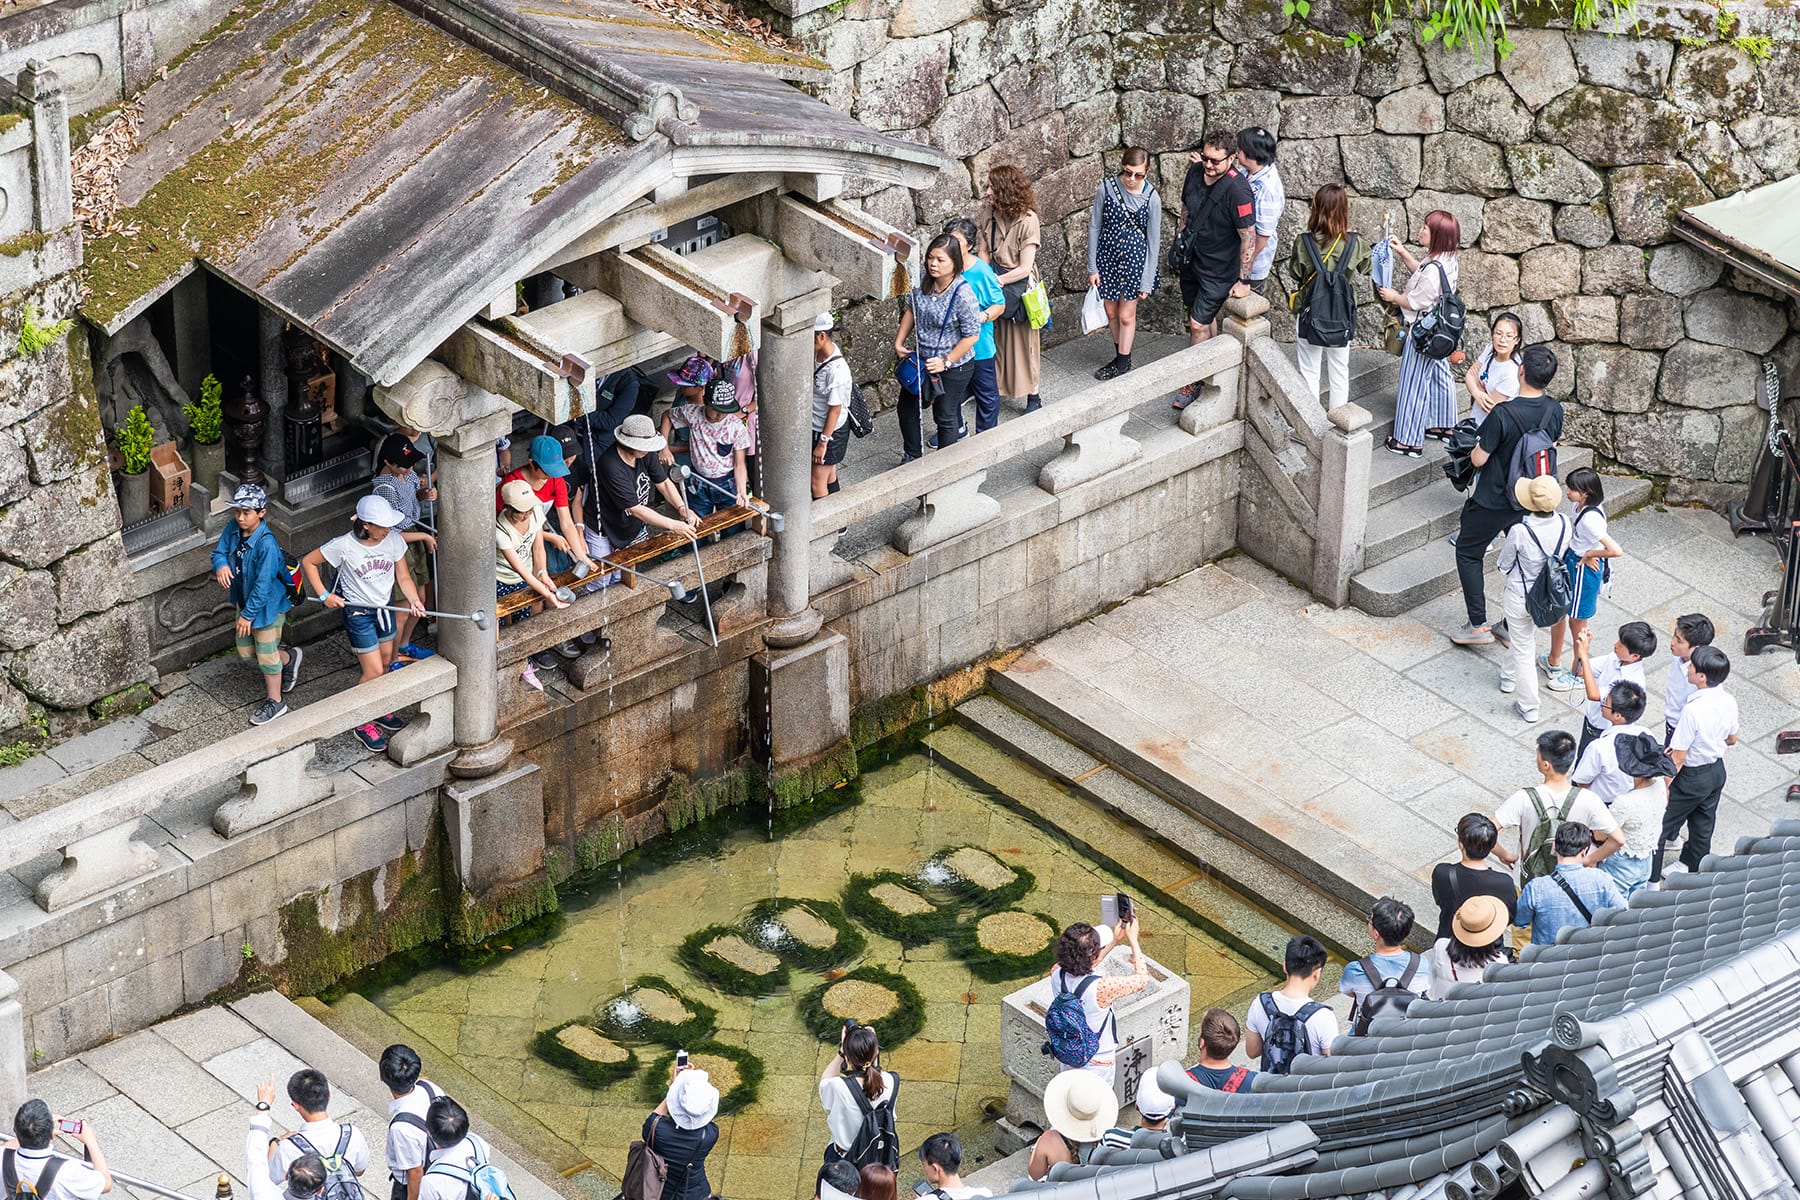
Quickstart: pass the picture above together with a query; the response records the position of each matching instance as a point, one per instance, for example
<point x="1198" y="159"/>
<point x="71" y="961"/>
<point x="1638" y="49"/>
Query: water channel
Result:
<point x="728" y="938"/>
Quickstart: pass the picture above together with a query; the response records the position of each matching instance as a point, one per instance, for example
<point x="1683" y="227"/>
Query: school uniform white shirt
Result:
<point x="465" y="1155"/>
<point x="324" y="1138"/>
<point x="1608" y="670"/>
<point x="1676" y="692"/>
<point x="1598" y="771"/>
<point x="408" y="1146"/>
<point x="1709" y="717"/>
<point x="74" y="1180"/>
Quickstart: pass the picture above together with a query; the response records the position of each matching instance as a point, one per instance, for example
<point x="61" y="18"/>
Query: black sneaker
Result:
<point x="290" y="672"/>
<point x="961" y="433"/>
<point x="545" y="660"/>
<point x="392" y="722"/>
<point x="569" y="649"/>
<point x="1113" y="369"/>
<point x="267" y="711"/>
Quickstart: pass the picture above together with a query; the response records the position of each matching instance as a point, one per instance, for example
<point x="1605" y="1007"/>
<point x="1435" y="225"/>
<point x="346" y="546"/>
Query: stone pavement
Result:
<point x="1358" y="741"/>
<point x="171" y="1104"/>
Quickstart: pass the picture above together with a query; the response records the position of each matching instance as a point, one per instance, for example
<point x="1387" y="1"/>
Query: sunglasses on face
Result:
<point x="1217" y="162"/>
<point x="1131" y="174"/>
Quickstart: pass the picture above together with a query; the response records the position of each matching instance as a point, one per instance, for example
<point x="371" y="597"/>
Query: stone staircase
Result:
<point x="1413" y="509"/>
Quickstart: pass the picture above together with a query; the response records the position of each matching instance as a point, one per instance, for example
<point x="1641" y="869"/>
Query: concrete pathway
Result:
<point x="1358" y="741"/>
<point x="171" y="1104"/>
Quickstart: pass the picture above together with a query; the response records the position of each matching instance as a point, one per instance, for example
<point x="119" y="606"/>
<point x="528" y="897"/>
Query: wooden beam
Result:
<point x="635" y="225"/>
<point x="868" y="257"/>
<point x="663" y="290"/>
<point x="552" y="382"/>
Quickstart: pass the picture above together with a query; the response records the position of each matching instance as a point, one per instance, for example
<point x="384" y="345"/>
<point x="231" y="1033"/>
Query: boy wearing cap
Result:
<point x="717" y="444"/>
<point x="1154" y="1106"/>
<point x="397" y="481"/>
<point x="548" y="474"/>
<point x="366" y="559"/>
<point x="1530" y="546"/>
<point x="248" y="563"/>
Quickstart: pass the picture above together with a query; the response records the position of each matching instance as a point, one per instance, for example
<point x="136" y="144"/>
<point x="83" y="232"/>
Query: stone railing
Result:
<point x="947" y="484"/>
<point x="1316" y="464"/>
<point x="94" y="834"/>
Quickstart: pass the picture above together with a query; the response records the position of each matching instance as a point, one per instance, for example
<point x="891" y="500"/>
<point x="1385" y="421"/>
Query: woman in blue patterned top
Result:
<point x="945" y="315"/>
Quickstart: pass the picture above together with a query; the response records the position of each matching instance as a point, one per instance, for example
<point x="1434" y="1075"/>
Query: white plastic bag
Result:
<point x="1093" y="312"/>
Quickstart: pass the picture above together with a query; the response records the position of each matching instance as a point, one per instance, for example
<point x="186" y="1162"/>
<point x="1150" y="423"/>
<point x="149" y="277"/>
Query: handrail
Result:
<point x="132" y="1180"/>
<point x="1067" y="415"/>
<point x="138" y="796"/>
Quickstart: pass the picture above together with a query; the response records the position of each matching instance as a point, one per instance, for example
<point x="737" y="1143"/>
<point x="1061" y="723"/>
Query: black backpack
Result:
<point x="1438" y="332"/>
<point x="1328" y="318"/>
<point x="1286" y="1039"/>
<point x="1532" y="455"/>
<point x="24" y="1189"/>
<point x="875" y="1141"/>
<point x="414" y="1119"/>
<point x="1551" y="595"/>
<point x="1390" y="998"/>
<point x="340" y="1180"/>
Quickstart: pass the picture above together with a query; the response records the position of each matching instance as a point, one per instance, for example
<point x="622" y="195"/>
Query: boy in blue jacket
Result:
<point x="248" y="563"/>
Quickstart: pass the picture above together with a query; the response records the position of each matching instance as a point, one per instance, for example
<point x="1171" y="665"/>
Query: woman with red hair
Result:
<point x="1425" y="405"/>
<point x="1007" y="223"/>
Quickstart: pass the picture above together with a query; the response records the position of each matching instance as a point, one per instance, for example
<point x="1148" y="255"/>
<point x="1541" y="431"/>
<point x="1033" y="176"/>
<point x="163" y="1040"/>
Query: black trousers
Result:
<point x="1479" y="528"/>
<point x="946" y="411"/>
<point x="1693" y="802"/>
<point x="1588" y="734"/>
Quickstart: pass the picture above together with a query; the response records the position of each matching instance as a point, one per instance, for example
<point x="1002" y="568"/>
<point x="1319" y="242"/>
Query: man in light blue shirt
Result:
<point x="1390" y="924"/>
<point x="1256" y="152"/>
<point x="1572" y="894"/>
<point x="984" y="386"/>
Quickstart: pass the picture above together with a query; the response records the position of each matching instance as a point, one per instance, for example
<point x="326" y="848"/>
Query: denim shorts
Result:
<point x="368" y="627"/>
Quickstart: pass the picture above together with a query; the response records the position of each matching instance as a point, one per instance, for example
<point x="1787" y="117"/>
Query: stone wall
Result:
<point x="71" y="633"/>
<point x="1563" y="162"/>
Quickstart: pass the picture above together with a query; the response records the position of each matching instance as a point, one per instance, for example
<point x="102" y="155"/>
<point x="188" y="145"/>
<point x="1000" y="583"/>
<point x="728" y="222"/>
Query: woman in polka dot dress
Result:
<point x="1123" y="233"/>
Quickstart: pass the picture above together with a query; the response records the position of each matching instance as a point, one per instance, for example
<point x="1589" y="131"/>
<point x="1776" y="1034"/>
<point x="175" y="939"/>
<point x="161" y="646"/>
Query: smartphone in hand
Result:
<point x="681" y="1060"/>
<point x="72" y="1128"/>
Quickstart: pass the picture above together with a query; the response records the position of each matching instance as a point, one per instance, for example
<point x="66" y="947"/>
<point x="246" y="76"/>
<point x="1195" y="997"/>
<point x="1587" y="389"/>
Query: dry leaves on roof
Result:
<point x="718" y="14"/>
<point x="95" y="171"/>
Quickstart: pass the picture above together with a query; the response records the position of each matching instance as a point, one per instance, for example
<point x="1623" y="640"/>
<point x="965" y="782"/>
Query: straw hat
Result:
<point x="1479" y="921"/>
<point x="1081" y="1105"/>
<point x="1538" y="493"/>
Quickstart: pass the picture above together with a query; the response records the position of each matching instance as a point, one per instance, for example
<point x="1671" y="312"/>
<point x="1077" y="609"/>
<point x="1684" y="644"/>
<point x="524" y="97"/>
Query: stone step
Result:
<point x="1427" y="571"/>
<point x="1233" y="889"/>
<point x="1430" y="512"/>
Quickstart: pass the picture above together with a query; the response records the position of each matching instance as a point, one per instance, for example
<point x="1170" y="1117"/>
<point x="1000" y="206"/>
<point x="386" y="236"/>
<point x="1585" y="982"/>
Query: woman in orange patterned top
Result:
<point x="1078" y="954"/>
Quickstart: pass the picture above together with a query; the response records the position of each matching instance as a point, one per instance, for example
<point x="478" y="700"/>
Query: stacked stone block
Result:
<point x="1564" y="163"/>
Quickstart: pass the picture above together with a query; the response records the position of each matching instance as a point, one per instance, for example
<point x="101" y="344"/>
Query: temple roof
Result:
<point x="377" y="172"/>
<point x="1613" y="1025"/>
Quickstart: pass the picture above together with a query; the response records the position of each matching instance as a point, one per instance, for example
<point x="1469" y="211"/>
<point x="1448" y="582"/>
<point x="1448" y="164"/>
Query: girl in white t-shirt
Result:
<point x="857" y="1066"/>
<point x="1493" y="378"/>
<point x="365" y="559"/>
<point x="1588" y="544"/>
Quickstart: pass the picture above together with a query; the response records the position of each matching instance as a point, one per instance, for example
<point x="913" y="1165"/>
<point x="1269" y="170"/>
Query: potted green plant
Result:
<point x="136" y="437"/>
<point x="206" y="432"/>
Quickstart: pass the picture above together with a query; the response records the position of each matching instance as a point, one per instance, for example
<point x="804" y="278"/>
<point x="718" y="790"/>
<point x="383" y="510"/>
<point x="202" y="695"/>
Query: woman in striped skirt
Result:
<point x="1425" y="406"/>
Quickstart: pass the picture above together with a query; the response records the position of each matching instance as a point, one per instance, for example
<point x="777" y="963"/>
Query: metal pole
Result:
<point x="133" y="1181"/>
<point x="705" y="600"/>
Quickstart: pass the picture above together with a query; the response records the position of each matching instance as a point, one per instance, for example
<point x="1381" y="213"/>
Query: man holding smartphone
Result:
<point x="28" y="1158"/>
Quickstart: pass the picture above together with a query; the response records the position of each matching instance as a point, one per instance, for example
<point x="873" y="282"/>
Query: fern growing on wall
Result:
<point x="34" y="334"/>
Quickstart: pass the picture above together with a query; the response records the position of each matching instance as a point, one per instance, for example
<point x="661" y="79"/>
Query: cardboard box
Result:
<point x="170" y="478"/>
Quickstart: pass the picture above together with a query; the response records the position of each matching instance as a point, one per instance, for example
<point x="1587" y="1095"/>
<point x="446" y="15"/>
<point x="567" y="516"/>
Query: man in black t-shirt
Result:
<point x="1218" y="205"/>
<point x="1489" y="511"/>
<point x="1473" y="875"/>
<point x="625" y="479"/>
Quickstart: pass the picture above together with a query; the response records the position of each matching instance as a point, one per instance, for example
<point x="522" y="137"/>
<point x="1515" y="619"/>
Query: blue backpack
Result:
<point x="1070" y="1039"/>
<point x="484" y="1182"/>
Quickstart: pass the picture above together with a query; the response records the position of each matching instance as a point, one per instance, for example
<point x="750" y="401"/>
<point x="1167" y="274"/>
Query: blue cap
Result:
<point x="547" y="453"/>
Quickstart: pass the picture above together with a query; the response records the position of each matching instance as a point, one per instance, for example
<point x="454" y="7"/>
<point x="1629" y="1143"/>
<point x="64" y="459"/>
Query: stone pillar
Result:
<point x="193" y="346"/>
<point x="42" y="91"/>
<point x="273" y="385"/>
<point x="1343" y="512"/>
<point x="784" y="402"/>
<point x="13" y="1057"/>
<point x="465" y="584"/>
<point x="352" y="394"/>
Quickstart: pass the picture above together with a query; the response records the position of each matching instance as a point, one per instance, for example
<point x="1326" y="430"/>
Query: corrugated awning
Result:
<point x="1757" y="231"/>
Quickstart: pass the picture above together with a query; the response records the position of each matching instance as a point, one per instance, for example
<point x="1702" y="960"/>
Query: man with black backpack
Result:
<point x="1516" y="442"/>
<point x="408" y="1140"/>
<point x="31" y="1170"/>
<point x="303" y="1179"/>
<point x="1287" y="1023"/>
<point x="1385" y="983"/>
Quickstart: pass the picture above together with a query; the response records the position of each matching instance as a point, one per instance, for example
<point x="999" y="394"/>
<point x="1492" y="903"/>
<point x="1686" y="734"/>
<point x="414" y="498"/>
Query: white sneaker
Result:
<point x="1525" y="714"/>
<point x="1507" y="685"/>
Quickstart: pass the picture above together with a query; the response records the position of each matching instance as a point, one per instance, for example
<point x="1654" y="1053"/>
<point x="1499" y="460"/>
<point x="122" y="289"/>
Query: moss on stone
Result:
<point x="814" y="934"/>
<point x="708" y="954"/>
<point x="134" y="699"/>
<point x="1006" y="945"/>
<point x="654" y="1010"/>
<point x="871" y="996"/>
<point x="971" y="875"/>
<point x="578" y="1049"/>
<point x="29" y="242"/>
<point x="410" y="916"/>
<point x="872" y="899"/>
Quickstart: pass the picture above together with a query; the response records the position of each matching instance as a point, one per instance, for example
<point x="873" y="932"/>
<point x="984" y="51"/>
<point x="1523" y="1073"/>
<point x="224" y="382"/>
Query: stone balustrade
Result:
<point x="94" y="834"/>
<point x="947" y="483"/>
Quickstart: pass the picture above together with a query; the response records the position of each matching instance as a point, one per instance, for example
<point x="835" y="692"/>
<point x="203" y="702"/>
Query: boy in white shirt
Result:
<point x="1532" y="544"/>
<point x="1637" y="641"/>
<point x="1598" y="769"/>
<point x="1561" y="802"/>
<point x="1691" y="631"/>
<point x="310" y="1094"/>
<point x="408" y="1139"/>
<point x="1709" y="723"/>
